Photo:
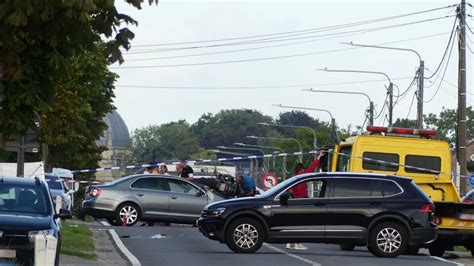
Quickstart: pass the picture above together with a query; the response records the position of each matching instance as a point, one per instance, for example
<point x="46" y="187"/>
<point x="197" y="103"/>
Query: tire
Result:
<point x="245" y="235"/>
<point x="346" y="247"/>
<point x="388" y="239"/>
<point x="114" y="222"/>
<point x="130" y="211"/>
<point x="413" y="250"/>
<point x="436" y="249"/>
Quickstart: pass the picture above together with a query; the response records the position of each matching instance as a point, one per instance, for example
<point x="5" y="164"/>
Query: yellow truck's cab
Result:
<point x="407" y="152"/>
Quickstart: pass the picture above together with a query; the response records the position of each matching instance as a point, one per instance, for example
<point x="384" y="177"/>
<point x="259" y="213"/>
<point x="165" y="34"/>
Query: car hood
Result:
<point x="24" y="222"/>
<point x="238" y="201"/>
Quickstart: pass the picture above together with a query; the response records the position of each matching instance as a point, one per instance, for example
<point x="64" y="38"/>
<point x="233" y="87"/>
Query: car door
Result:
<point x="353" y="203"/>
<point x="152" y="193"/>
<point x="302" y="217"/>
<point x="186" y="200"/>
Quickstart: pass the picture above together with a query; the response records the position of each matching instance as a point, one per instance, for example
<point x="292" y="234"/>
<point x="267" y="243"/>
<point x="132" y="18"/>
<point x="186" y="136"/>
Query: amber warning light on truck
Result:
<point x="427" y="133"/>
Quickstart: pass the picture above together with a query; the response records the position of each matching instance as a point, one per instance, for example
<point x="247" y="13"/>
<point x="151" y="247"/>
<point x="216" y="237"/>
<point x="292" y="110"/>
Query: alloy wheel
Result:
<point x="245" y="236"/>
<point x="389" y="240"/>
<point x="129" y="214"/>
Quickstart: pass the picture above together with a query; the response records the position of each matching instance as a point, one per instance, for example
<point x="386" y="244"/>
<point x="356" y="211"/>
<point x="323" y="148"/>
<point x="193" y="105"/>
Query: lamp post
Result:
<point x="248" y="149"/>
<point x="315" y="140"/>
<point x="238" y="154"/>
<point x="282" y="139"/>
<point x="389" y="90"/>
<point x="421" y="77"/>
<point x="262" y="147"/>
<point x="371" y="103"/>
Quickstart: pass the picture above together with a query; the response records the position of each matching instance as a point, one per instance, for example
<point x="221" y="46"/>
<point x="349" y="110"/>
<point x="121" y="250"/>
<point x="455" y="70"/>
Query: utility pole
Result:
<point x="462" y="142"/>
<point x="419" y="95"/>
<point x="390" y="104"/>
<point x="20" y="163"/>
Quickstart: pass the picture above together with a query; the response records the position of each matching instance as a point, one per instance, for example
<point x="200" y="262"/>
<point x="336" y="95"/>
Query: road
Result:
<point x="184" y="245"/>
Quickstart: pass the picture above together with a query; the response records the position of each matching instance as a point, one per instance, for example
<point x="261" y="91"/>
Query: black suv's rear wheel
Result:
<point x="245" y="235"/>
<point x="128" y="213"/>
<point x="388" y="239"/>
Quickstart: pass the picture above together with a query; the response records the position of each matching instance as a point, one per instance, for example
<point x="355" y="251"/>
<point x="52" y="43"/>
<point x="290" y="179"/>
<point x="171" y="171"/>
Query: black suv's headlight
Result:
<point x="213" y="212"/>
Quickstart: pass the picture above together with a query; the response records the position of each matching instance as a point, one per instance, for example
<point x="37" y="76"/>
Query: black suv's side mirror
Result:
<point x="284" y="197"/>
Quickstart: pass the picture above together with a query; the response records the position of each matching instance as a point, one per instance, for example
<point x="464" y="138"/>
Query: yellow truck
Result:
<point x="412" y="153"/>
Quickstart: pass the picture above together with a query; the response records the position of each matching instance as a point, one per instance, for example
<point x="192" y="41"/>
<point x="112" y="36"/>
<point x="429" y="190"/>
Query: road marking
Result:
<point x="291" y="255"/>
<point x="133" y="260"/>
<point x="448" y="261"/>
<point x="104" y="223"/>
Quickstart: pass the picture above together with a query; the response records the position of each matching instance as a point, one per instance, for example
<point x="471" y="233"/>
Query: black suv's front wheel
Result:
<point x="245" y="235"/>
<point x="388" y="239"/>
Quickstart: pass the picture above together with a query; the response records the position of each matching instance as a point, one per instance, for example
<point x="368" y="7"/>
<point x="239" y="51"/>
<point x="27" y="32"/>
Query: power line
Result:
<point x="272" y="40"/>
<point x="352" y="24"/>
<point x="411" y="105"/>
<point x="235" y="61"/>
<point x="256" y="87"/>
<point x="444" y="73"/>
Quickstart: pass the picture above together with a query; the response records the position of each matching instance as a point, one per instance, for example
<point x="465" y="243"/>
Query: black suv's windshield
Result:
<point x="23" y="199"/>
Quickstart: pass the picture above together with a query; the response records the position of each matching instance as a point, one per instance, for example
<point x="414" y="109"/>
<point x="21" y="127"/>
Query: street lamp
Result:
<point x="333" y="121"/>
<point x="315" y="141"/>
<point x="421" y="75"/>
<point x="248" y="149"/>
<point x="282" y="139"/>
<point x="259" y="146"/>
<point x="371" y="103"/>
<point x="389" y="90"/>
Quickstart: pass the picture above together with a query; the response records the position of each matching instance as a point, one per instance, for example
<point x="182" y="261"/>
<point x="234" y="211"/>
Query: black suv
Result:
<point x="26" y="210"/>
<point x="389" y="214"/>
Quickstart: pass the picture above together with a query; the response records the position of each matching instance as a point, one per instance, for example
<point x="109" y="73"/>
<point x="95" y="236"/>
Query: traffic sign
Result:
<point x="471" y="180"/>
<point x="269" y="180"/>
<point x="14" y="146"/>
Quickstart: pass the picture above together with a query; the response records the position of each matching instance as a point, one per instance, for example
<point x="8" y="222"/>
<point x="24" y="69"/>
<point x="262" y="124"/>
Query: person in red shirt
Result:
<point x="301" y="190"/>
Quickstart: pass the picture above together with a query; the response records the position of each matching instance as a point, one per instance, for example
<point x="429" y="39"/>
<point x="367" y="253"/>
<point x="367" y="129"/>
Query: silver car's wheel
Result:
<point x="128" y="214"/>
<point x="245" y="236"/>
<point x="389" y="240"/>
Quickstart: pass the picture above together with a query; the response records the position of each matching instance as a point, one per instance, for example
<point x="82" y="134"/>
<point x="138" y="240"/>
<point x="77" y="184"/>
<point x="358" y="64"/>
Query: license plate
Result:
<point x="7" y="253"/>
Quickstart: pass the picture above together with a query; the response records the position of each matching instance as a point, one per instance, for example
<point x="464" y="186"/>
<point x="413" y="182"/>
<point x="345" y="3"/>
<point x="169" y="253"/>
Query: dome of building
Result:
<point x="116" y="135"/>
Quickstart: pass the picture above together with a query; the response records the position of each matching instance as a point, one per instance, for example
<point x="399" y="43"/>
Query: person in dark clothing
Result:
<point x="184" y="170"/>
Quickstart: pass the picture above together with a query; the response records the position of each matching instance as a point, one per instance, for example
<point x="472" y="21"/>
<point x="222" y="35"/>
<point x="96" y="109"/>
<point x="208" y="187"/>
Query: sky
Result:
<point x="159" y="83"/>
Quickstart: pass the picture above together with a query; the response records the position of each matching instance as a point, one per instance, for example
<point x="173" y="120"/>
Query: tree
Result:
<point x="445" y="123"/>
<point x="38" y="39"/>
<point x="165" y="142"/>
<point x="229" y="126"/>
<point x="404" y="122"/>
<point x="81" y="97"/>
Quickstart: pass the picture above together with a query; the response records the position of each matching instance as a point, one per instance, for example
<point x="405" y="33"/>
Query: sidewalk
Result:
<point x="105" y="249"/>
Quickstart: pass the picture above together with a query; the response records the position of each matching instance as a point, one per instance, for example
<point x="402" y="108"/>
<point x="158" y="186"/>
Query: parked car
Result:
<point x="161" y="198"/>
<point x="26" y="210"/>
<point x="469" y="197"/>
<point x="386" y="213"/>
<point x="58" y="188"/>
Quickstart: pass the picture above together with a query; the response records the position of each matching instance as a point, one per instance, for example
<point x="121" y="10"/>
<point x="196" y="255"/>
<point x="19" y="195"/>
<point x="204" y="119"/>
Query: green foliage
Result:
<point x="405" y="123"/>
<point x="165" y="142"/>
<point x="446" y="123"/>
<point x="39" y="38"/>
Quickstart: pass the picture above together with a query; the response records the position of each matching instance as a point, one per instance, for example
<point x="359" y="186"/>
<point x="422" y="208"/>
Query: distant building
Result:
<point x="116" y="138"/>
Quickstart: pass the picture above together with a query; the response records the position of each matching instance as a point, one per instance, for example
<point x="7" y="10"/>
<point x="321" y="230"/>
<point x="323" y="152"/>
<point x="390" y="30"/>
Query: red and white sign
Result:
<point x="269" y="180"/>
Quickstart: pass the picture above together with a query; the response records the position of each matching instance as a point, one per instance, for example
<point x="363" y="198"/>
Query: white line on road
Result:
<point x="445" y="260"/>
<point x="133" y="260"/>
<point x="104" y="223"/>
<point x="291" y="255"/>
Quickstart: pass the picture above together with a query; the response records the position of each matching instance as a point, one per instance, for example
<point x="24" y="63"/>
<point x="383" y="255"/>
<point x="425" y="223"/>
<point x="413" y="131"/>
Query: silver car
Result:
<point x="161" y="198"/>
<point x="58" y="188"/>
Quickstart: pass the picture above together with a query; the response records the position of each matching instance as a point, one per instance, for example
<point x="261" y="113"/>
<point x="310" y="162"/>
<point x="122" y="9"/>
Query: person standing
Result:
<point x="184" y="170"/>
<point x="301" y="190"/>
<point x="163" y="170"/>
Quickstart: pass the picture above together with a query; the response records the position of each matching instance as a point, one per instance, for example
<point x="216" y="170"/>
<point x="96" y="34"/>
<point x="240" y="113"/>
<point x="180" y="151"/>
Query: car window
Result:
<point x="431" y="163"/>
<point x="23" y="199"/>
<point x="154" y="183"/>
<point x="380" y="161"/>
<point x="308" y="189"/>
<point x="55" y="185"/>
<point x="344" y="159"/>
<point x="351" y="187"/>
<point x="384" y="188"/>
<point x="178" y="186"/>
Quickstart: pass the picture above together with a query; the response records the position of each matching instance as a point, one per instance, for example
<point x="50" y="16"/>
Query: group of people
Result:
<point x="245" y="182"/>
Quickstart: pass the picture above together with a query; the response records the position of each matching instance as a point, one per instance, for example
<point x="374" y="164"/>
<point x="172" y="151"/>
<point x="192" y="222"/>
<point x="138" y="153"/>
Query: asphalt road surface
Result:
<point x="185" y="245"/>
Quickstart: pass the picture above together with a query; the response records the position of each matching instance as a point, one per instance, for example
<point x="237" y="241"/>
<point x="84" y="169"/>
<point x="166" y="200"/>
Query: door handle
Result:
<point x="319" y="204"/>
<point x="140" y="194"/>
<point x="174" y="197"/>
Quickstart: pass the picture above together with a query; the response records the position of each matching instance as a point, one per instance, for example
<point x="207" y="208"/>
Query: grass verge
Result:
<point x="76" y="240"/>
